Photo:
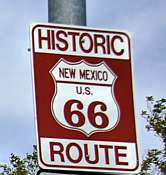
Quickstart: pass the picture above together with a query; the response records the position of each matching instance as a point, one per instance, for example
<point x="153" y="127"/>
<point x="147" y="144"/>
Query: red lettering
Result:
<point x="89" y="153"/>
<point x="96" y="153"/>
<point x="57" y="152"/>
<point x="82" y="41"/>
<point x="113" y="45"/>
<point x="118" y="155"/>
<point x="67" y="73"/>
<point x="63" y="42"/>
<point x="106" y="148"/>
<point x="68" y="113"/>
<point x="73" y="34"/>
<point x="69" y="146"/>
<point x="99" y="41"/>
<point x="53" y="39"/>
<point x="42" y="38"/>
<point x="108" y="44"/>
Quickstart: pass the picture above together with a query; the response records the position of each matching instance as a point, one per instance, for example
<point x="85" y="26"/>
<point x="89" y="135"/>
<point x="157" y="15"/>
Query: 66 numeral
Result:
<point x="96" y="119"/>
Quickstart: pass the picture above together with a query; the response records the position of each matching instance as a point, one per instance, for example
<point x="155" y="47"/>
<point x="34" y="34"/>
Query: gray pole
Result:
<point x="67" y="12"/>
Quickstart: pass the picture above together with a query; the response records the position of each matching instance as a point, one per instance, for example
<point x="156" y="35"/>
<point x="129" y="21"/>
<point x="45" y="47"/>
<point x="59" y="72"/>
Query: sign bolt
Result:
<point x="87" y="156"/>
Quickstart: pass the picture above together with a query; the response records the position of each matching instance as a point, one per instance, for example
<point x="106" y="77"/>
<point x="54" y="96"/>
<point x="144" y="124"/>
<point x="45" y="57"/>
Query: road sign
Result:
<point x="84" y="99"/>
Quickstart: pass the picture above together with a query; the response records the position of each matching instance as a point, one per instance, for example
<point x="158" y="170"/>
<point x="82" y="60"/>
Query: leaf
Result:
<point x="150" y="98"/>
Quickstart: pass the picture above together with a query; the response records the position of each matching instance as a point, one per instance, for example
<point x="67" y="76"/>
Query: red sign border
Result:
<point x="81" y="28"/>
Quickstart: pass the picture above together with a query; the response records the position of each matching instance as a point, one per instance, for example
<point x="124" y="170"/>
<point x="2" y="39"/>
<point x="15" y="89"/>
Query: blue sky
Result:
<point x="144" y="20"/>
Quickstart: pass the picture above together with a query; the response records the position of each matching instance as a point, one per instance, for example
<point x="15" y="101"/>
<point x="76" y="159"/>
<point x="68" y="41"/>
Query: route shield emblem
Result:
<point x="84" y="96"/>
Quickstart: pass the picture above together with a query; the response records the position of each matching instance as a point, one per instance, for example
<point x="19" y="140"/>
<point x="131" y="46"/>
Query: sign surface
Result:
<point x="84" y="99"/>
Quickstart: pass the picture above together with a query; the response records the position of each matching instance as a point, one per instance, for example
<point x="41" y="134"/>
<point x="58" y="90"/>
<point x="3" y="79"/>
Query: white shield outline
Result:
<point x="112" y="94"/>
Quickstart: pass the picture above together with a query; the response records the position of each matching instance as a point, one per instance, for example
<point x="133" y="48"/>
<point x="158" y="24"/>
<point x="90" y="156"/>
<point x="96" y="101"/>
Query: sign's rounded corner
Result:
<point x="42" y="164"/>
<point x="137" y="169"/>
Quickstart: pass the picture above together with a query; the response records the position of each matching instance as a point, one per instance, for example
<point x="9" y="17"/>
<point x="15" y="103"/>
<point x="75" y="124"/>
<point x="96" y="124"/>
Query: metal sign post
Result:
<point x="67" y="12"/>
<point x="84" y="99"/>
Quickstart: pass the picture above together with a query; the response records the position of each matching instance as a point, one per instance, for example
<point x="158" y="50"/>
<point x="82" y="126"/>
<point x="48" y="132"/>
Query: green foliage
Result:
<point x="155" y="116"/>
<point x="18" y="166"/>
